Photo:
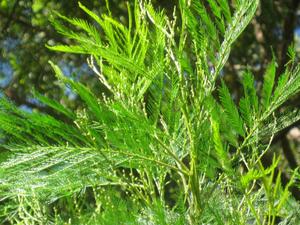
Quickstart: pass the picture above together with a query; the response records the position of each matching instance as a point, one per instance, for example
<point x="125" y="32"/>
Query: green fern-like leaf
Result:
<point x="269" y="79"/>
<point x="231" y="110"/>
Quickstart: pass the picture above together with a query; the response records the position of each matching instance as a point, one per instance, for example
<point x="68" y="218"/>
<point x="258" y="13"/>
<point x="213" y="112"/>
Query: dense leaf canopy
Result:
<point x="148" y="111"/>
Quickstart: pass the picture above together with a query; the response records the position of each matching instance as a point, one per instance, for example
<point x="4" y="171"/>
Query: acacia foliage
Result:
<point x="159" y="127"/>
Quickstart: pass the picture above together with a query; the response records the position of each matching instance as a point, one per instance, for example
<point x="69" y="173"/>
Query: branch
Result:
<point x="288" y="33"/>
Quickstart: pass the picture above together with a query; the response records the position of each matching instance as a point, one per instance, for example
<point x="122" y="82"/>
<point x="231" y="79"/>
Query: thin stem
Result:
<point x="149" y="159"/>
<point x="184" y="167"/>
